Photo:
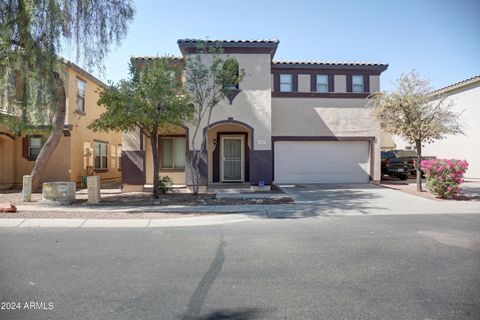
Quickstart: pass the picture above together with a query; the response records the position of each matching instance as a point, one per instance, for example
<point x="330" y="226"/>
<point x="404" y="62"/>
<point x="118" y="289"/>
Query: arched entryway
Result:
<point x="229" y="147"/>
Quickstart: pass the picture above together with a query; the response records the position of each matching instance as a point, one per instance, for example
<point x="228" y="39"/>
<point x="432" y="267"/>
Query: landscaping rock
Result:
<point x="7" y="207"/>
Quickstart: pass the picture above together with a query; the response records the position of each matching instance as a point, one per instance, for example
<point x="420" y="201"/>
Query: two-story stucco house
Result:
<point x="291" y="122"/>
<point x="80" y="151"/>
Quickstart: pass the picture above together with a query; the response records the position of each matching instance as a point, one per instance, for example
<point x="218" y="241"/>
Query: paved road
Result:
<point x="357" y="267"/>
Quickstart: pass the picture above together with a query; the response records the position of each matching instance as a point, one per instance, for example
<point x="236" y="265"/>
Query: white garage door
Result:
<point x="321" y="162"/>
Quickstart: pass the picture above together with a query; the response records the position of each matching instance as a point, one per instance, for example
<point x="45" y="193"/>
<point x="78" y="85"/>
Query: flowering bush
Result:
<point x="444" y="176"/>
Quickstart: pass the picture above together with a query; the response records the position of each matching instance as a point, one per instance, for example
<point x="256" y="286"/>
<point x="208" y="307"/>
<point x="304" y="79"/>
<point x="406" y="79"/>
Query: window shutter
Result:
<point x="25" y="147"/>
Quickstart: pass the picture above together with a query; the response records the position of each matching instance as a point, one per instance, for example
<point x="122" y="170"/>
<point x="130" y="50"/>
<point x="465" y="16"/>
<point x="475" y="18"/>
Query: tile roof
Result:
<point x="328" y="63"/>
<point x="457" y="85"/>
<point x="271" y="41"/>
<point x="151" y="58"/>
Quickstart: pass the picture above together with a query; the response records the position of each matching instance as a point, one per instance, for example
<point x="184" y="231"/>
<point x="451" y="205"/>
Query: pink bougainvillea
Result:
<point x="444" y="176"/>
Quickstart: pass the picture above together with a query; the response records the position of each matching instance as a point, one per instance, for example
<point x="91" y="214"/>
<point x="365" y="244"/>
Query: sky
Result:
<point x="440" y="39"/>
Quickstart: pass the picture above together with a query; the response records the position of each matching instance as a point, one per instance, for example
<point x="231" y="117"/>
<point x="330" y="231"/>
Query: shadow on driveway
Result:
<point x="323" y="199"/>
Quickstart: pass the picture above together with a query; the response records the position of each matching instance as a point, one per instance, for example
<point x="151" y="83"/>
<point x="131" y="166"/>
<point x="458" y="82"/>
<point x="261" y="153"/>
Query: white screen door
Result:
<point x="232" y="158"/>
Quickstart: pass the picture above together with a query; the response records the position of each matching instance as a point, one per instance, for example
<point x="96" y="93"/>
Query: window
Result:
<point x="230" y="74"/>
<point x="357" y="84"/>
<point x="173" y="152"/>
<point x="34" y="147"/>
<point x="322" y="83"/>
<point x="81" y="95"/>
<point x="101" y="155"/>
<point x="285" y="83"/>
<point x="119" y="157"/>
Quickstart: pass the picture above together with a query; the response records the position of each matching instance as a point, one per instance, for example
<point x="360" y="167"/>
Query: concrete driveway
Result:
<point x="367" y="199"/>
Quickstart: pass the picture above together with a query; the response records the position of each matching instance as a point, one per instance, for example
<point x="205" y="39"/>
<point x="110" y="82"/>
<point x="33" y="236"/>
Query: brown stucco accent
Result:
<point x="133" y="167"/>
<point x="216" y="156"/>
<point x="353" y="95"/>
<point x="370" y="139"/>
<point x="334" y="69"/>
<point x="261" y="163"/>
<point x="203" y="169"/>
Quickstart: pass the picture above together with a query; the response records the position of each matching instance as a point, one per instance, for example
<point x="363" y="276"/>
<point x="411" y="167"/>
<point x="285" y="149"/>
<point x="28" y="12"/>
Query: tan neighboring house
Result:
<point x="465" y="96"/>
<point x="288" y="122"/>
<point x="80" y="152"/>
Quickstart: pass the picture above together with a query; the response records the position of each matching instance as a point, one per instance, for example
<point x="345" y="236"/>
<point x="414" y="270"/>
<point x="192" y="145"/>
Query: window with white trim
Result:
<point x="173" y="152"/>
<point x="322" y="83"/>
<point x="100" y="155"/>
<point x="285" y="83"/>
<point x="34" y="147"/>
<point x="357" y="84"/>
<point x="81" y="85"/>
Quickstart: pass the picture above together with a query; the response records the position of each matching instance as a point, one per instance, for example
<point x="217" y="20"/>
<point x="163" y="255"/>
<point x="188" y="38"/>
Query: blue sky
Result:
<point x="440" y="39"/>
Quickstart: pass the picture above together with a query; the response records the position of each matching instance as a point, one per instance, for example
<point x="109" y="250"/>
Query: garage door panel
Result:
<point x="321" y="162"/>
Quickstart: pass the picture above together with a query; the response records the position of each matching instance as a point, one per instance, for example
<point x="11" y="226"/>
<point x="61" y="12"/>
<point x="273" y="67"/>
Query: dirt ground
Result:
<point x="114" y="197"/>
<point x="410" y="186"/>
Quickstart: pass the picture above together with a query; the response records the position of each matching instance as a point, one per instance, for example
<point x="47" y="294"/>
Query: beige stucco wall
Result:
<point x="253" y="104"/>
<point x="326" y="117"/>
<point x="304" y="83"/>
<point x="466" y="146"/>
<point x="340" y="83"/>
<point x="82" y="139"/>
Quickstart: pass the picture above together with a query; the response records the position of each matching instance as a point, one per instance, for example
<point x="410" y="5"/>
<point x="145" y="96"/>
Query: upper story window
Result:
<point x="357" y="84"/>
<point x="285" y="83"/>
<point x="101" y="155"/>
<point x="322" y="83"/>
<point x="231" y="74"/>
<point x="81" y="85"/>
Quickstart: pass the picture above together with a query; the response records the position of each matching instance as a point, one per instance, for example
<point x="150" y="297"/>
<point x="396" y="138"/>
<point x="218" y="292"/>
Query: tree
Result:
<point x="210" y="78"/>
<point x="153" y="98"/>
<point x="32" y="36"/>
<point x="416" y="113"/>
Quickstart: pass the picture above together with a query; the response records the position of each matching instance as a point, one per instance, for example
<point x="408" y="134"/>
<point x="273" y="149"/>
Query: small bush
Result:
<point x="444" y="176"/>
<point x="165" y="184"/>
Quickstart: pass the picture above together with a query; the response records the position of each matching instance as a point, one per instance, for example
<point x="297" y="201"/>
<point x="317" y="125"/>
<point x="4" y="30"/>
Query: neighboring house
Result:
<point x="290" y="122"/>
<point x="80" y="151"/>
<point x="465" y="97"/>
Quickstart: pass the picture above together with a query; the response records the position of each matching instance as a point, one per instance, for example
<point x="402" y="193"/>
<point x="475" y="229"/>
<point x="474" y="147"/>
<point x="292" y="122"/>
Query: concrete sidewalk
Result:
<point x="125" y="223"/>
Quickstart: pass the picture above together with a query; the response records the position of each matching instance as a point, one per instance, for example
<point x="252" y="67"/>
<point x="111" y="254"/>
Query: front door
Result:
<point x="232" y="154"/>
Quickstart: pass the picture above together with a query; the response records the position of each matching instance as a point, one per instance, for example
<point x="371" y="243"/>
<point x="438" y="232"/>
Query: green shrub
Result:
<point x="165" y="184"/>
<point x="444" y="176"/>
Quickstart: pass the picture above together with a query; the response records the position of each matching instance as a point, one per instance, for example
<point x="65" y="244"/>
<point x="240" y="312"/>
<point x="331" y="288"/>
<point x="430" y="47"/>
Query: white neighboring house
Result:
<point x="465" y="96"/>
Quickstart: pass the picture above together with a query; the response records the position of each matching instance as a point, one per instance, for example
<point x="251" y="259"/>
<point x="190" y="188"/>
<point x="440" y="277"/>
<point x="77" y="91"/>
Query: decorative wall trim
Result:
<point x="230" y="120"/>
<point x="8" y="135"/>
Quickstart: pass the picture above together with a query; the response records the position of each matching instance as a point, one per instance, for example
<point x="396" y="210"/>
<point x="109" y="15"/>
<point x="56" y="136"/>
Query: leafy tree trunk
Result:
<point x="156" y="176"/>
<point x="418" y="144"/>
<point x="52" y="142"/>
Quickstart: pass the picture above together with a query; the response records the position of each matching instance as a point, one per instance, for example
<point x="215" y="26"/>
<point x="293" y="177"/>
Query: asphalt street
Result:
<point x="331" y="267"/>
